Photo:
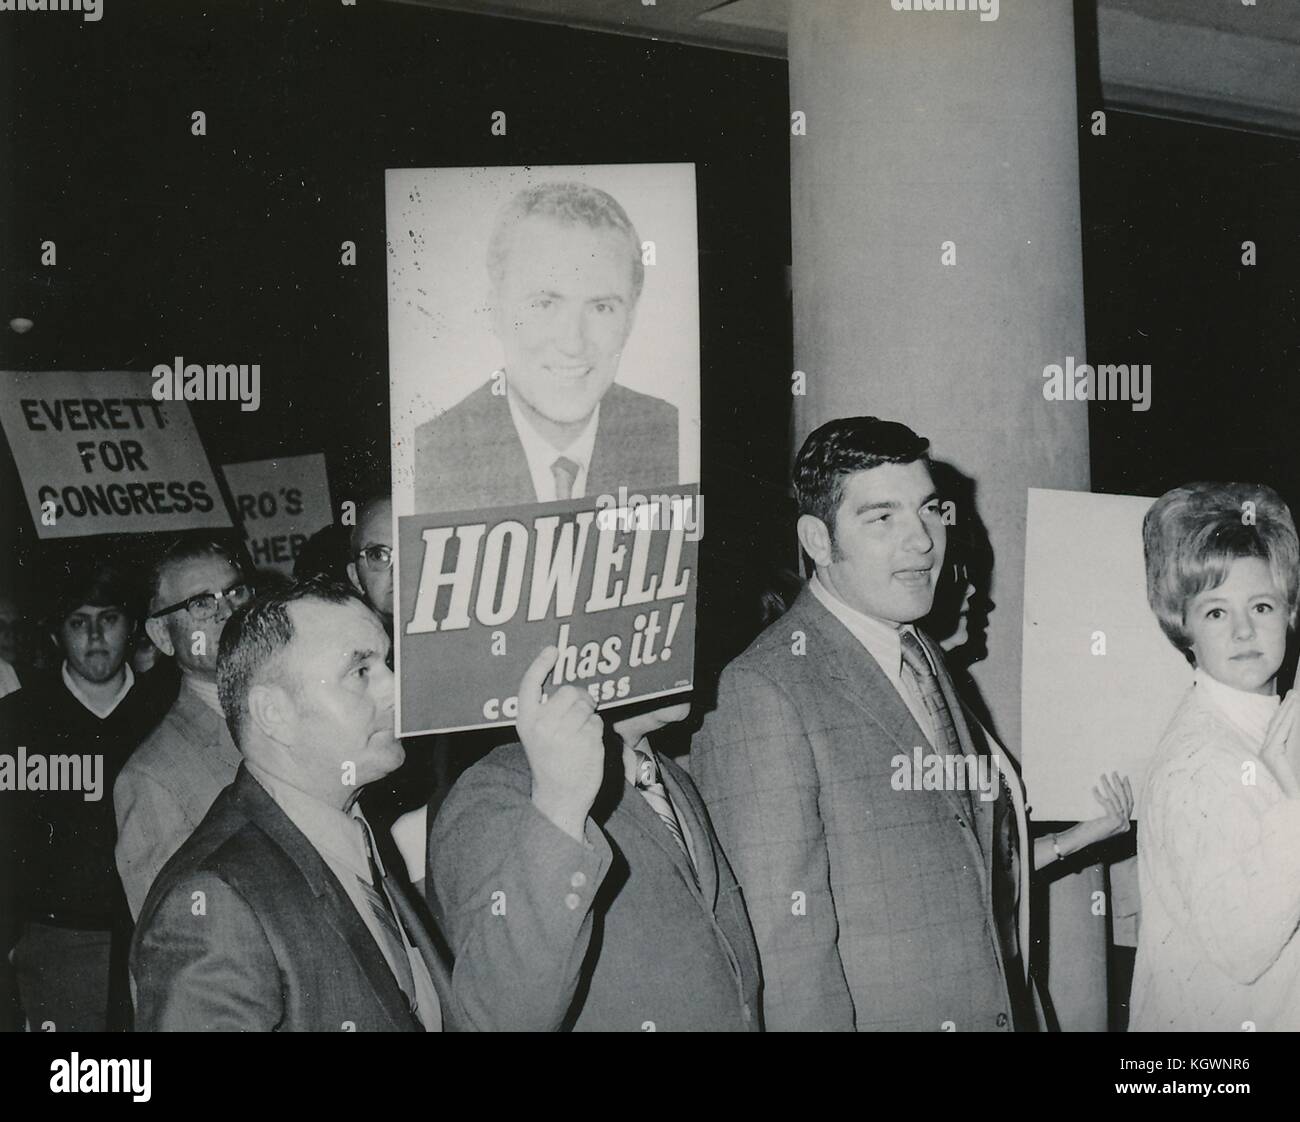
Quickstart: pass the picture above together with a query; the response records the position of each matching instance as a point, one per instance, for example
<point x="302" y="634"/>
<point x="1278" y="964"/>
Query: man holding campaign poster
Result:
<point x="544" y="349"/>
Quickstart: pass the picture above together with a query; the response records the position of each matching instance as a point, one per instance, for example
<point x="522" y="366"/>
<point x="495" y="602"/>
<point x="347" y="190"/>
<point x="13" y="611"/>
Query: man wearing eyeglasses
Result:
<point x="370" y="564"/>
<point x="169" y="783"/>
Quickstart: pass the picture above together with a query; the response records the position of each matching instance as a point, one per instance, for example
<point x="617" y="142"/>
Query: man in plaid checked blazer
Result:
<point x="876" y="906"/>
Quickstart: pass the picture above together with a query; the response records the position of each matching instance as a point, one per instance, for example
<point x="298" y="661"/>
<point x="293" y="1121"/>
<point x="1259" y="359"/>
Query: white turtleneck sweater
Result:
<point x="1219" y="870"/>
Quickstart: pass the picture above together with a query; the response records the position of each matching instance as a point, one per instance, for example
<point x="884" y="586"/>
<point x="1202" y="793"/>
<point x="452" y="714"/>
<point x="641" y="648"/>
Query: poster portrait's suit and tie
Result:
<point x="665" y="943"/>
<point x="471" y="456"/>
<point x="874" y="907"/>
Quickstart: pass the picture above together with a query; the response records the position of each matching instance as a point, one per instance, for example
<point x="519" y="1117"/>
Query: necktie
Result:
<point x="565" y="472"/>
<point x="654" y="793"/>
<point x="945" y="732"/>
<point x="395" y="951"/>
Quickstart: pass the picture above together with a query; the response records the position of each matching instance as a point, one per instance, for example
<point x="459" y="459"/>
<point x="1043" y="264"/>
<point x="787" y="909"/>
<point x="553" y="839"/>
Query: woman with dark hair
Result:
<point x="1219" y="851"/>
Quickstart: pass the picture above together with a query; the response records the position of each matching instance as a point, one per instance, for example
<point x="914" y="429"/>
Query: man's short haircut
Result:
<point x="184" y="550"/>
<point x="99" y="584"/>
<point x="570" y="204"/>
<point x="1193" y="534"/>
<point x="839" y="448"/>
<point x="255" y="638"/>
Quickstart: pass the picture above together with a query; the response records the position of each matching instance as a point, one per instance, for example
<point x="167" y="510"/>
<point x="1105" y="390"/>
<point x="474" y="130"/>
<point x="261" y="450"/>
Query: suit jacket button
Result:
<point x="578" y="879"/>
<point x="1001" y="1020"/>
<point x="572" y="900"/>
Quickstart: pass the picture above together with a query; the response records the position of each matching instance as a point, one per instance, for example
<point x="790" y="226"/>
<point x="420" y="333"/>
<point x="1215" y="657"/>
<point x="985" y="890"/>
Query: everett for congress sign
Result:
<point x="98" y="455"/>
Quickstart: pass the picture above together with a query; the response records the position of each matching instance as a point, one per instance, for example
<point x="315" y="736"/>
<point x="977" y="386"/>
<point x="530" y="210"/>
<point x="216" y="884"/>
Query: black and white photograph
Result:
<point x="368" y="662"/>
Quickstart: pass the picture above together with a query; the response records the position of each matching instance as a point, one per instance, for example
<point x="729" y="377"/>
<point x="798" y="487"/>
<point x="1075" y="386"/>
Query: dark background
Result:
<point x="225" y="248"/>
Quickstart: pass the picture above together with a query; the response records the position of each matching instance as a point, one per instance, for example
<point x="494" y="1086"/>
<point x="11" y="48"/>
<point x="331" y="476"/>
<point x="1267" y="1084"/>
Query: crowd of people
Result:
<point x="243" y="869"/>
<point x="209" y="822"/>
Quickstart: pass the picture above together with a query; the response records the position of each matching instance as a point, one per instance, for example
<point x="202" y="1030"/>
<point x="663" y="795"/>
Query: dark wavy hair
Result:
<point x="838" y="449"/>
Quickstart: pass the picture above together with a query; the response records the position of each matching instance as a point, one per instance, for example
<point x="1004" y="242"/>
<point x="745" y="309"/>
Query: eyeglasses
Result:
<point x="204" y="605"/>
<point x="376" y="557"/>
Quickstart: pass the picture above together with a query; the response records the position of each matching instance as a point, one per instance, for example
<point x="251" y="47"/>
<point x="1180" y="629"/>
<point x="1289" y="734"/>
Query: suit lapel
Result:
<point x="420" y="926"/>
<point x="337" y="909"/>
<point x="859" y="678"/>
<point x="972" y="745"/>
<point x="691" y="813"/>
<point x="413" y="924"/>
<point x="857" y="675"/>
<point x="603" y="453"/>
<point x="509" y="470"/>
<point x="637" y="813"/>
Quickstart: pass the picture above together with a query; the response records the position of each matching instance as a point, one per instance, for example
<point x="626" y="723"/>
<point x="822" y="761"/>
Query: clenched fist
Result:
<point x="564" y="740"/>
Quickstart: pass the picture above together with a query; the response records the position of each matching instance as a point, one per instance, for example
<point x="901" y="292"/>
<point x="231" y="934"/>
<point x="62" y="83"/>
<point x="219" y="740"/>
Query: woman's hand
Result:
<point x="1281" y="751"/>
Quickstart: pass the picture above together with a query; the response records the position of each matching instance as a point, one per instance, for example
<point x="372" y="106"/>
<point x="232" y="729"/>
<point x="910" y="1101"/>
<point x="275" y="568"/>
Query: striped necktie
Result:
<point x="382" y="909"/>
<point x="946" y="740"/>
<point x="565" y="472"/>
<point x="654" y="793"/>
<point x="945" y="731"/>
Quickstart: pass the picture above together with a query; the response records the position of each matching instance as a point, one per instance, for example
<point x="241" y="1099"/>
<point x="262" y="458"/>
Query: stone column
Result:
<point x="937" y="269"/>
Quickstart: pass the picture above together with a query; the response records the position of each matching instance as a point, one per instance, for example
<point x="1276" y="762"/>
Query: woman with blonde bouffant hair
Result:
<point x="1219" y="843"/>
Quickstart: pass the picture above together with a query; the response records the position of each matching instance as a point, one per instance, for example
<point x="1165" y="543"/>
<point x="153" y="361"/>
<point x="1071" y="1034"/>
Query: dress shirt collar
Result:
<point x="883" y="640"/>
<point x="632" y="762"/>
<point x="205" y="691"/>
<point x="332" y="832"/>
<point x="102" y="711"/>
<point x="1249" y="712"/>
<point x="541" y="454"/>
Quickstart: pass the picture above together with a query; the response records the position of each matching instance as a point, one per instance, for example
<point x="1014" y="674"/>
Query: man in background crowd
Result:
<point x="9" y="624"/>
<point x="167" y="786"/>
<point x="77" y="725"/>
<point x="370" y="558"/>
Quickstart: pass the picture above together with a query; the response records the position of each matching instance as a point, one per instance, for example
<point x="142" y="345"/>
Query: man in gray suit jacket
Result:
<point x="172" y="779"/>
<point x="565" y="267"/>
<point x="279" y="912"/>
<point x="666" y="944"/>
<point x="879" y="900"/>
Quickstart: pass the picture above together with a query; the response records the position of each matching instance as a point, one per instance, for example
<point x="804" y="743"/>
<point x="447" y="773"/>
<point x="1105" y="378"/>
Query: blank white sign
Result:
<point x="1084" y="713"/>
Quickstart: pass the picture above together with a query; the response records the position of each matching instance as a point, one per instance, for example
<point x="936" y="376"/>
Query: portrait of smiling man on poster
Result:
<point x="552" y="417"/>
